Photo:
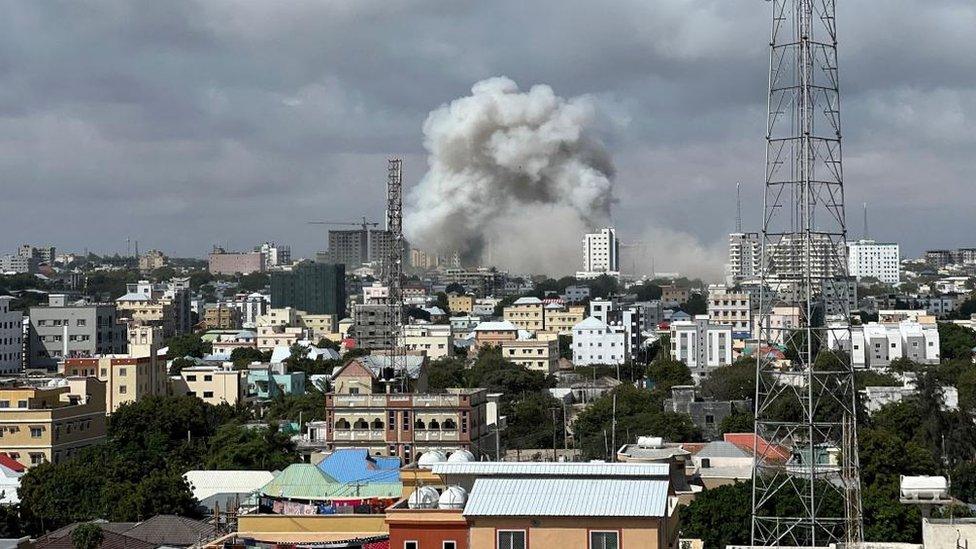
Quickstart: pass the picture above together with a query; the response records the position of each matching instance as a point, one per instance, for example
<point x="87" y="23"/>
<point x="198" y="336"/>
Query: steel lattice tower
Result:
<point x="806" y="487"/>
<point x="394" y="267"/>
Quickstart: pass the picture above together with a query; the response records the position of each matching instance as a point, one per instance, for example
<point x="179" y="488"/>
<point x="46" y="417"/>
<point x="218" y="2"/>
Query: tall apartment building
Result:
<point x="482" y="282"/>
<point x="788" y="257"/>
<point x="48" y="424"/>
<point x="316" y="288"/>
<point x="869" y="258"/>
<point x="380" y="245"/>
<point x="359" y="415"/>
<point x="11" y="337"/>
<point x="42" y="254"/>
<point x="164" y="305"/>
<point x="731" y="308"/>
<point x="275" y="255"/>
<point x="601" y="254"/>
<point x="66" y="329"/>
<point x="745" y="257"/>
<point x="527" y="313"/>
<point x="12" y="263"/>
<point x="250" y="306"/>
<point x="229" y="263"/>
<point x="595" y="342"/>
<point x="701" y="344"/>
<point x="370" y="327"/>
<point x="348" y="247"/>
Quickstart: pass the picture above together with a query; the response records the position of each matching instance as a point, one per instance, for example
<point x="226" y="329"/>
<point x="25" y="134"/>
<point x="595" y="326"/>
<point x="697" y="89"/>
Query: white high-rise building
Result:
<point x="732" y="308"/>
<point x="594" y="342"/>
<point x="868" y="258"/>
<point x="275" y="255"/>
<point x="745" y="255"/>
<point x="11" y="337"/>
<point x="701" y="344"/>
<point x="601" y="254"/>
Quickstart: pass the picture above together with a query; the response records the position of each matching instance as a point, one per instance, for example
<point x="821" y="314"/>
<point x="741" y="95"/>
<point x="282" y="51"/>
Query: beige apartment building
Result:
<point x="534" y="354"/>
<point x="460" y="303"/>
<point x="434" y="340"/>
<point x="318" y="326"/>
<point x="213" y="384"/>
<point x="127" y="377"/>
<point x="270" y="337"/>
<point x="527" y="313"/>
<point x="221" y="317"/>
<point x="41" y="424"/>
<point x="315" y="326"/>
<point x="561" y="321"/>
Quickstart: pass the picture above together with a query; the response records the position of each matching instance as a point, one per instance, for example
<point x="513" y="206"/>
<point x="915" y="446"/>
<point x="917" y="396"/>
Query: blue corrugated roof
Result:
<point x="356" y="465"/>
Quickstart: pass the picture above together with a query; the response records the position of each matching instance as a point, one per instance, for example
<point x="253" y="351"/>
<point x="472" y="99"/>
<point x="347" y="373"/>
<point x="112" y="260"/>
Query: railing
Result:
<point x="427" y="436"/>
<point x="359" y="434"/>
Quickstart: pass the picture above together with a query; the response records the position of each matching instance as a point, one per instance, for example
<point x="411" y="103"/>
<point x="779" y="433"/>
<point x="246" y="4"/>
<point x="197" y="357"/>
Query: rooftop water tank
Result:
<point x="461" y="456"/>
<point x="429" y="458"/>
<point x="650" y="442"/>
<point x="453" y="498"/>
<point x="924" y="488"/>
<point x="424" y="497"/>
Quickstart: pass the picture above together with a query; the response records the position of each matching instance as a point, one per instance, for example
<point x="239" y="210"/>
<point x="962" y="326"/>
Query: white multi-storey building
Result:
<point x="745" y="256"/>
<point x="732" y="308"/>
<point x="594" y="342"/>
<point x="601" y="254"/>
<point x="275" y="254"/>
<point x="434" y="340"/>
<point x="875" y="345"/>
<point x="11" y="337"/>
<point x="868" y="258"/>
<point x="701" y="344"/>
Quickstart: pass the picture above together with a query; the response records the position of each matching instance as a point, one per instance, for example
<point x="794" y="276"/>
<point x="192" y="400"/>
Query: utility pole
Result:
<point x="613" y="445"/>
<point x="553" y="410"/>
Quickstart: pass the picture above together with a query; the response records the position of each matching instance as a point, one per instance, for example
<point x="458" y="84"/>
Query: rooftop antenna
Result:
<point x="738" y="210"/>
<point x="866" y="233"/>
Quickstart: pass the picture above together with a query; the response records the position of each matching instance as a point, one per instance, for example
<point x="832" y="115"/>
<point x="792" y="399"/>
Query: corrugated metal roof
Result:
<point x="722" y="449"/>
<point x="204" y="484"/>
<point x="356" y="465"/>
<point x="567" y="497"/>
<point x="508" y="468"/>
<point x="301" y="481"/>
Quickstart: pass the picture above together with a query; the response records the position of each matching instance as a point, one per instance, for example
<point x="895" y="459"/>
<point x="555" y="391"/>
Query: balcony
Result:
<point x="448" y="435"/>
<point x="353" y="435"/>
<point x="359" y="401"/>
<point x="436" y="401"/>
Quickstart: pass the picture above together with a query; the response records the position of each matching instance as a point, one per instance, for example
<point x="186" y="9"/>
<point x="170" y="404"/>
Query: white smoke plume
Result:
<point x="521" y="171"/>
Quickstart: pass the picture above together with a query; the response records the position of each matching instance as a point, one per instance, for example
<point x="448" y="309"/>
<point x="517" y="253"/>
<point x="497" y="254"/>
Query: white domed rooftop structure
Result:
<point x="453" y="498"/>
<point x="424" y="497"/>
<point x="461" y="456"/>
<point x="427" y="459"/>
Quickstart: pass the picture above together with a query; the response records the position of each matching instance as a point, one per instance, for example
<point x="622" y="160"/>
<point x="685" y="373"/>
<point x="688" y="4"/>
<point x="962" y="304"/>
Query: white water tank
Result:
<point x="453" y="498"/>
<point x="427" y="459"/>
<point x="461" y="456"/>
<point x="424" y="497"/>
<point x="924" y="488"/>
<point x="650" y="442"/>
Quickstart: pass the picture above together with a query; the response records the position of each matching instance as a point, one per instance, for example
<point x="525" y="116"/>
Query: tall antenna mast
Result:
<point x="738" y="210"/>
<point x="806" y="486"/>
<point x="866" y="233"/>
<point x="394" y="267"/>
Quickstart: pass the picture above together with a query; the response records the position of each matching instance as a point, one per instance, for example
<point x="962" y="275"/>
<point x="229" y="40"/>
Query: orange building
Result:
<point x="494" y="333"/>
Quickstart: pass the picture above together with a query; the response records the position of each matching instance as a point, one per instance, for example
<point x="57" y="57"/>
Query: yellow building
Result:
<point x="561" y="321"/>
<point x="318" y="326"/>
<point x="221" y="317"/>
<point x="212" y="384"/>
<point x="460" y="303"/>
<point x="527" y="313"/>
<point x="270" y="337"/>
<point x="534" y="354"/>
<point x="51" y="423"/>
<point x="433" y="340"/>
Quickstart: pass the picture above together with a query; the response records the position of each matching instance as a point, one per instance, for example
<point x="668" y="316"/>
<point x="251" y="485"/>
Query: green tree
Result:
<point x="326" y="343"/>
<point x="163" y="274"/>
<point x="566" y="347"/>
<point x="737" y="422"/>
<point x="696" y="305"/>
<point x="531" y="422"/>
<point x="647" y="291"/>
<point x="719" y="516"/>
<point x="254" y="282"/>
<point x="736" y="381"/>
<point x="441" y="302"/>
<point x="309" y="407"/>
<point x="87" y="536"/>
<point x="243" y="356"/>
<point x="178" y="364"/>
<point x="187" y="345"/>
<point x="955" y="341"/>
<point x="668" y="373"/>
<point x="444" y="373"/>
<point x="235" y="446"/>
<point x="603" y="286"/>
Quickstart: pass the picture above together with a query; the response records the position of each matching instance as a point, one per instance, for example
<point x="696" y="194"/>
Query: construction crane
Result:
<point x="364" y="224"/>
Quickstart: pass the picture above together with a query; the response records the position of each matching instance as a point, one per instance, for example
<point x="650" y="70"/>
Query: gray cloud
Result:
<point x="188" y="122"/>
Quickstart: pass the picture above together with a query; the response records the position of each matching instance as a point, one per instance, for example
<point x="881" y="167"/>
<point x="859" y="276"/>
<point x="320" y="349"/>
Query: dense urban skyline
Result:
<point x="199" y="123"/>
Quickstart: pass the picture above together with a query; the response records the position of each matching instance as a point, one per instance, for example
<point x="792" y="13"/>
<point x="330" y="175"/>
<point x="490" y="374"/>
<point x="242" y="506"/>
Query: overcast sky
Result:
<point x="183" y="124"/>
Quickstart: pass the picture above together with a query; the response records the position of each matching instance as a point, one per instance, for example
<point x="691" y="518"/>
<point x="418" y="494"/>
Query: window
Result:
<point x="21" y="403"/>
<point x="449" y="545"/>
<point x="4" y="404"/>
<point x="604" y="540"/>
<point x="511" y="539"/>
<point x="191" y="378"/>
<point x="411" y="545"/>
<point x="208" y="378"/>
<point x="36" y="432"/>
<point x="36" y="458"/>
<point x="208" y="394"/>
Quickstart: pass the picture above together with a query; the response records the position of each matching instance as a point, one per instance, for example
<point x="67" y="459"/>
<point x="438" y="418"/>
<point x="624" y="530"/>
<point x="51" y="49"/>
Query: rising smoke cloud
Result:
<point x="522" y="171"/>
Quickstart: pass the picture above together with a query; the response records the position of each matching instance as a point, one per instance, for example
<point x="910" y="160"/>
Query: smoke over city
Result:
<point x="513" y="176"/>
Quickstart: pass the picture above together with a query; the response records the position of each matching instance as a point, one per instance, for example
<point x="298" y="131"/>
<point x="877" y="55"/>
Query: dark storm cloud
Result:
<point x="184" y="123"/>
